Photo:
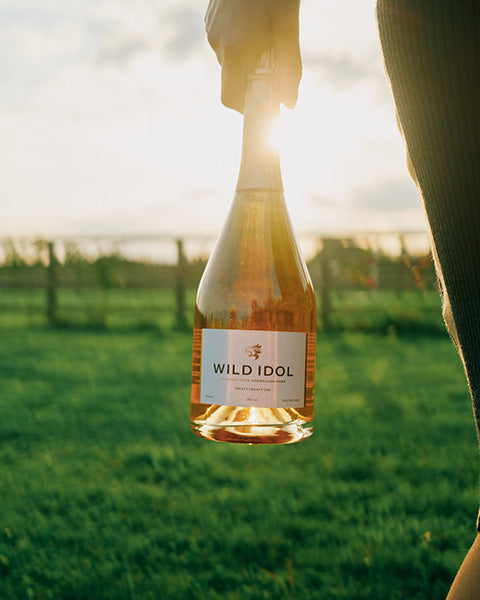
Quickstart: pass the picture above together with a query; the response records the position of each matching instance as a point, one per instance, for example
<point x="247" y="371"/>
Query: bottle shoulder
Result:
<point x="256" y="263"/>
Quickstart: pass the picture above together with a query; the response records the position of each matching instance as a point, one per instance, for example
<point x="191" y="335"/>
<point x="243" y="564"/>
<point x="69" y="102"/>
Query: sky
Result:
<point x="111" y="122"/>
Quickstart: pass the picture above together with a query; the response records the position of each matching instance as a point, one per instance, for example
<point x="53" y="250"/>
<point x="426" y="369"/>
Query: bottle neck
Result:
<point x="260" y="164"/>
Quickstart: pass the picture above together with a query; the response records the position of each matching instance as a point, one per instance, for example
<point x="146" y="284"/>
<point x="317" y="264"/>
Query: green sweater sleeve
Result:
<point x="431" y="52"/>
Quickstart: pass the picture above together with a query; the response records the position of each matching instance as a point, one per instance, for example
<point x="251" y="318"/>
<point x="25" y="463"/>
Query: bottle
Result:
<point x="254" y="335"/>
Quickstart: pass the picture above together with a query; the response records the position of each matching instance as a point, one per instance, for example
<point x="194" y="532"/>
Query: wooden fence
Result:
<point x="348" y="263"/>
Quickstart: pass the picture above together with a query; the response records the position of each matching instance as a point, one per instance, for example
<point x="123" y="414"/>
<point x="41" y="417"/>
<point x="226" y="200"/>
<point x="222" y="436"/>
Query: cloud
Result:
<point x="188" y="33"/>
<point x="121" y="50"/>
<point x="389" y="196"/>
<point x="323" y="201"/>
<point x="344" y="70"/>
<point x="177" y="33"/>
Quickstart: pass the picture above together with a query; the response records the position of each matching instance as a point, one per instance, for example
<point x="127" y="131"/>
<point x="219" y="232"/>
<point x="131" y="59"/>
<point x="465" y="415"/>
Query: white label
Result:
<point x="253" y="368"/>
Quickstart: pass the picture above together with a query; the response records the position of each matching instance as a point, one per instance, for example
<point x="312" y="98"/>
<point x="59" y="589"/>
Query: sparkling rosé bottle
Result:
<point x="254" y="333"/>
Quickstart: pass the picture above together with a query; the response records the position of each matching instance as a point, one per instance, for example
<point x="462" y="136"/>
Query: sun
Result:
<point x="276" y="133"/>
<point x="290" y="137"/>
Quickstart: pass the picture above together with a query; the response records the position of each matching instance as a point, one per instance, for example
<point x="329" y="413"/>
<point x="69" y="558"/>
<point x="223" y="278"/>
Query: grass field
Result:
<point x="105" y="493"/>
<point x="373" y="310"/>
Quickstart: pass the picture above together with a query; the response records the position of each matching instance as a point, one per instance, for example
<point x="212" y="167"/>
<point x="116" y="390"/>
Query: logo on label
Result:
<point x="254" y="351"/>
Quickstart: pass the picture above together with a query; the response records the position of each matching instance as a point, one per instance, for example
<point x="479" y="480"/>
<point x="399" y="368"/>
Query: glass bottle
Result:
<point x="254" y="336"/>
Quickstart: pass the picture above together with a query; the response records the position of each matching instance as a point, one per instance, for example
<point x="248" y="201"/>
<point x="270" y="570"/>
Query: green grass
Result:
<point x="96" y="308"/>
<point x="382" y="311"/>
<point x="367" y="310"/>
<point x="105" y="493"/>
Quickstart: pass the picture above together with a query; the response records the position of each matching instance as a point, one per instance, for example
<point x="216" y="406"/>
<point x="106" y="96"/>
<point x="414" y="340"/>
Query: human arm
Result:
<point x="239" y="31"/>
<point x="431" y="53"/>
<point x="467" y="582"/>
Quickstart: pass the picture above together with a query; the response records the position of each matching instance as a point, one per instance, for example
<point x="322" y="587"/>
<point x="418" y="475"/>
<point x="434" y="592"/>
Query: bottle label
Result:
<point x="253" y="368"/>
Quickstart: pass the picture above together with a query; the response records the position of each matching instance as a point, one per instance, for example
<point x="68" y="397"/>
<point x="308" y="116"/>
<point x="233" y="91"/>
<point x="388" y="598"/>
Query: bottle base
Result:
<point x="289" y="433"/>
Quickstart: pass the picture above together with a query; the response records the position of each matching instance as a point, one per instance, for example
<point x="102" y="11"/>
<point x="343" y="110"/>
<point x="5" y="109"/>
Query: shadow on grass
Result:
<point x="104" y="326"/>
<point x="384" y="325"/>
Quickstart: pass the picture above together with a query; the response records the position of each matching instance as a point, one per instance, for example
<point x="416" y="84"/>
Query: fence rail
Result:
<point x="358" y="262"/>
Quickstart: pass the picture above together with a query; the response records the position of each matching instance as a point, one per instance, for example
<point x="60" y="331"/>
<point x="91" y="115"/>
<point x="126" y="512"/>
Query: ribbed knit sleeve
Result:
<point x="431" y="52"/>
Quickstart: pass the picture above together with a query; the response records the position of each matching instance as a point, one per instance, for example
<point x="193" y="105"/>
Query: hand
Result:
<point x="239" y="31"/>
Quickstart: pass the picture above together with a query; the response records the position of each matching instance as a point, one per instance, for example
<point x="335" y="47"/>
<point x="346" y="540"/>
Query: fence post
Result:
<point x="180" y="285"/>
<point x="51" y="288"/>
<point x="325" y="282"/>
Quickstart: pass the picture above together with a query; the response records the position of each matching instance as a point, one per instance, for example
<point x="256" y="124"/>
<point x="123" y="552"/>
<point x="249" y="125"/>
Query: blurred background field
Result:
<point x="363" y="281"/>
<point x="107" y="495"/>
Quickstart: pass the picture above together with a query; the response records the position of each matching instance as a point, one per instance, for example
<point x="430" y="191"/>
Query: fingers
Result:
<point x="234" y="84"/>
<point x="285" y="31"/>
<point x="236" y="30"/>
<point x="237" y="64"/>
<point x="239" y="31"/>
